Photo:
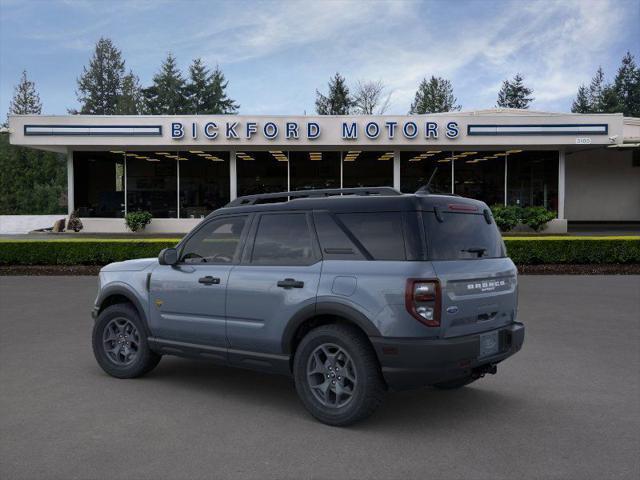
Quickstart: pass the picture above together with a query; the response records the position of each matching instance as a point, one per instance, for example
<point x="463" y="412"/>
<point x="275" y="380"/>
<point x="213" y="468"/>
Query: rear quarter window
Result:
<point x="462" y="236"/>
<point x="380" y="233"/>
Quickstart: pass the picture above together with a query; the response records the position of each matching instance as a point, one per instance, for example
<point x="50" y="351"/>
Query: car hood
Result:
<point x="130" y="265"/>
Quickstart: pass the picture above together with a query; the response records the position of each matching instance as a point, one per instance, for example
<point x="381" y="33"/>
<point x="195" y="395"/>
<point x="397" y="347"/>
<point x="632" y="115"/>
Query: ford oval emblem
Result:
<point x="452" y="309"/>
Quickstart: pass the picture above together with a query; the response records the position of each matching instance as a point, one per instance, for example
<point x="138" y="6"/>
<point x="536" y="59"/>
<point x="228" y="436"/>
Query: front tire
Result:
<point x="337" y="375"/>
<point x="120" y="342"/>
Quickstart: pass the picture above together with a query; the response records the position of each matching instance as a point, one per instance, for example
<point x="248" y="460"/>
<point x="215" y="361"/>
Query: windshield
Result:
<point x="462" y="236"/>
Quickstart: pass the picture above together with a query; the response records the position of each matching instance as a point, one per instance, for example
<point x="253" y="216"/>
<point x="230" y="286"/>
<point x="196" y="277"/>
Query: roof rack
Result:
<point x="327" y="192"/>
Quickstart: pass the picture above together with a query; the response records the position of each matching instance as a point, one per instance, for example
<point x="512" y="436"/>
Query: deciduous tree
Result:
<point x="371" y="98"/>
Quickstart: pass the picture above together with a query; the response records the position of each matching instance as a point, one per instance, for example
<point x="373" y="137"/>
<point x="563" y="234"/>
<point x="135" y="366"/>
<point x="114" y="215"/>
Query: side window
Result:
<point x="215" y="243"/>
<point x="380" y="233"/>
<point x="283" y="239"/>
<point x="335" y="244"/>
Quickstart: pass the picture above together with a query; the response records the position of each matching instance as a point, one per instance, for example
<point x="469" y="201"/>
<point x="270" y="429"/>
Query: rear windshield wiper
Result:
<point x="479" y="250"/>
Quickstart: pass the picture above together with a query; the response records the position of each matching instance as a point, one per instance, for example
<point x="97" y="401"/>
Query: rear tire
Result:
<point x="337" y="375"/>
<point x="455" y="384"/>
<point x="120" y="342"/>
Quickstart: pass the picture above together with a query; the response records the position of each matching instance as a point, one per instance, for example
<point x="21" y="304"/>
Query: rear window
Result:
<point x="462" y="236"/>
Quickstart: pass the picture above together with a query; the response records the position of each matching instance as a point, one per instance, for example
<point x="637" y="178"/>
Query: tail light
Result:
<point x="422" y="299"/>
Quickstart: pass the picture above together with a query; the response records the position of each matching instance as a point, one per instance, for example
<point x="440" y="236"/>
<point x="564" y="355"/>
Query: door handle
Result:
<point x="209" y="280"/>
<point x="290" y="283"/>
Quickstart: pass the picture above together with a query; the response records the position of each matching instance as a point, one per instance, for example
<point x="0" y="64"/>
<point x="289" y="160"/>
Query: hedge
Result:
<point x="79" y="251"/>
<point x="573" y="250"/>
<point x="522" y="250"/>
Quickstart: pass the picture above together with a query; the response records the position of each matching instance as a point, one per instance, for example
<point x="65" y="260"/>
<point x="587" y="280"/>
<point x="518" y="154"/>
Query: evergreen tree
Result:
<point x="433" y="96"/>
<point x="206" y="91"/>
<point x="219" y="102"/>
<point x="338" y="101"/>
<point x="31" y="181"/>
<point x="167" y="95"/>
<point x="25" y="99"/>
<point x="130" y="101"/>
<point x="196" y="89"/>
<point x="514" y="94"/>
<point x="627" y="86"/>
<point x="100" y="85"/>
<point x="596" y="91"/>
<point x="581" y="104"/>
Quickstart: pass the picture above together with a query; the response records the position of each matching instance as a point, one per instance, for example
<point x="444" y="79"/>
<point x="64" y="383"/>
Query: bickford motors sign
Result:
<point x="294" y="130"/>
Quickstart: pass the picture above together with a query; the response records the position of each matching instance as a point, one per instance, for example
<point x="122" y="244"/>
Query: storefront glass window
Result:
<point x="204" y="182"/>
<point x="261" y="172"/>
<point x="152" y="183"/>
<point x="310" y="170"/>
<point x="367" y="169"/>
<point x="99" y="184"/>
<point x="416" y="168"/>
<point x="480" y="175"/>
<point x="532" y="179"/>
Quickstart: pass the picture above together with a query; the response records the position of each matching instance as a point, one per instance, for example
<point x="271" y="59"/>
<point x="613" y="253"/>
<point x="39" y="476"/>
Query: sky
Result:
<point x="275" y="54"/>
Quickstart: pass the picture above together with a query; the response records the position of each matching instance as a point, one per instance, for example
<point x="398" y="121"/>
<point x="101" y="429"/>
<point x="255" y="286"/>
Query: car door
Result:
<point x="187" y="300"/>
<point x="278" y="276"/>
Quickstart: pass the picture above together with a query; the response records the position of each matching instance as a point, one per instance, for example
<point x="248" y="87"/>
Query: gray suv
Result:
<point x="349" y="291"/>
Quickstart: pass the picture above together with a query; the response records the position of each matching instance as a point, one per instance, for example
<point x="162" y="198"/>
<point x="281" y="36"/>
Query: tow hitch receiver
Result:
<point x="483" y="370"/>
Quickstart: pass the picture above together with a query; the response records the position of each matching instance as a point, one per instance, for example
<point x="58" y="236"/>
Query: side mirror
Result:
<point x="168" y="256"/>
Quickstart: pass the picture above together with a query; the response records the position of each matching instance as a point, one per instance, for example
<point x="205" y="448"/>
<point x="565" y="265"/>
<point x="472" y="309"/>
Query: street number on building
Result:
<point x="583" y="141"/>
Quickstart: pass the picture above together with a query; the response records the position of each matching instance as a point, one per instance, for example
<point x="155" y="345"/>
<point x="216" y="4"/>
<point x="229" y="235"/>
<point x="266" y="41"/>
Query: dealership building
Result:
<point x="180" y="168"/>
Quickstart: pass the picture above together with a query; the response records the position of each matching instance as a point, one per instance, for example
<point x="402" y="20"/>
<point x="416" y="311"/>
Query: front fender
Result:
<point x="127" y="291"/>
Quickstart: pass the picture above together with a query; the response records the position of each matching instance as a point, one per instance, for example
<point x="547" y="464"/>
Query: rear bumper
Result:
<point x="409" y="363"/>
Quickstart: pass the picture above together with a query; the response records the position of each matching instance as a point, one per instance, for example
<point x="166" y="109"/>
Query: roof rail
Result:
<point x="327" y="192"/>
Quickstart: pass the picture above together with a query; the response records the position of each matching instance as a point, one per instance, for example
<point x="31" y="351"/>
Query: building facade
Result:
<point x="180" y="168"/>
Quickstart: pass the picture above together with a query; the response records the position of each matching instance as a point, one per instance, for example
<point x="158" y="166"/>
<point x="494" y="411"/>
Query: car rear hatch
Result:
<point x="478" y="282"/>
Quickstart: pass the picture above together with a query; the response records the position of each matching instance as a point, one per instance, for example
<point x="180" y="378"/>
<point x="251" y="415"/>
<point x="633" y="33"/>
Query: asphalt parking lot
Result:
<point x="567" y="406"/>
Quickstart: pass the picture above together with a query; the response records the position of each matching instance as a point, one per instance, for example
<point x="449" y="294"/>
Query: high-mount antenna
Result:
<point x="425" y="188"/>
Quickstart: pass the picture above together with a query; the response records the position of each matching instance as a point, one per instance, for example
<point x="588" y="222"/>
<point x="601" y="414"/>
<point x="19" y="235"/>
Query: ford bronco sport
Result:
<point x="350" y="291"/>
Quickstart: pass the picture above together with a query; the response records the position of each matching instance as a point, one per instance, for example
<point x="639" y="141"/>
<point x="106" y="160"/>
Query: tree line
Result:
<point x="435" y="95"/>
<point x="33" y="181"/>
<point x="106" y="88"/>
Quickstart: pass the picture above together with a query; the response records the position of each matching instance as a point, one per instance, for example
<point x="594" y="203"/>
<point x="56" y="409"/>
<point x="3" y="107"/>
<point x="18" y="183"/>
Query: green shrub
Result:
<point x="573" y="250"/>
<point x="522" y="250"/>
<point x="506" y="217"/>
<point x="536" y="217"/>
<point x="137" y="220"/>
<point x="510" y="216"/>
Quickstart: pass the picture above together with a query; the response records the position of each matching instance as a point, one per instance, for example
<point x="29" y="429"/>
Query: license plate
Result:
<point x="489" y="344"/>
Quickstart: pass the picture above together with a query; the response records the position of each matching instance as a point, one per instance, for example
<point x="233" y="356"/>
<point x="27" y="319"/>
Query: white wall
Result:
<point x="602" y="185"/>
<point x="157" y="225"/>
<point x="25" y="223"/>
